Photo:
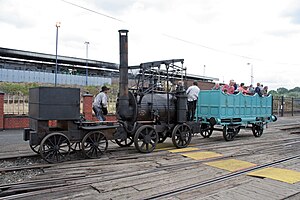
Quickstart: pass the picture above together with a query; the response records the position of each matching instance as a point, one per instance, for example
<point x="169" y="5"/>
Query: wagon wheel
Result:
<point x="94" y="144"/>
<point x="257" y="129"/>
<point x="55" y="147"/>
<point x="145" y="139"/>
<point x="125" y="143"/>
<point x="229" y="133"/>
<point x="181" y="135"/>
<point x="206" y="130"/>
<point x="35" y="148"/>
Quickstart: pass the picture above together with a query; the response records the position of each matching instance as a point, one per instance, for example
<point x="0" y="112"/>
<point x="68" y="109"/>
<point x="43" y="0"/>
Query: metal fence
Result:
<point x="286" y="106"/>
<point x="10" y="75"/>
<point x="15" y="104"/>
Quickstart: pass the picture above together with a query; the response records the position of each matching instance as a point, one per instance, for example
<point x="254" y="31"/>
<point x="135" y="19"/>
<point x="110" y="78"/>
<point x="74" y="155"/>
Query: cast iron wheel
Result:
<point x="145" y="139"/>
<point x="206" y="130"/>
<point x="55" y="148"/>
<point x="125" y="143"/>
<point x="35" y="148"/>
<point x="94" y="144"/>
<point x="229" y="133"/>
<point x="181" y="135"/>
<point x="257" y="129"/>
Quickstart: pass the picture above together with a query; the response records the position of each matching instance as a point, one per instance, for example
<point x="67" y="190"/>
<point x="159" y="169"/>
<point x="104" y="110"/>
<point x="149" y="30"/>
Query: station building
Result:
<point x="26" y="66"/>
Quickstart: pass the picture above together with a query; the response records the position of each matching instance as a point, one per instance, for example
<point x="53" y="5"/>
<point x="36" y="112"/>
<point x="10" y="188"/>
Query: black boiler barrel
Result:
<point x="157" y="104"/>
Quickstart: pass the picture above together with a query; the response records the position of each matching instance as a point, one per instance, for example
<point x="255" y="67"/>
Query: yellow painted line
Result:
<point x="184" y="149"/>
<point x="284" y="175"/>
<point x="202" y="155"/>
<point x="231" y="165"/>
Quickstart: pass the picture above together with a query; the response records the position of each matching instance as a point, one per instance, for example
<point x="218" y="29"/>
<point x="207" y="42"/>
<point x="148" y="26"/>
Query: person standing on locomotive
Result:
<point x="192" y="95"/>
<point x="100" y="104"/>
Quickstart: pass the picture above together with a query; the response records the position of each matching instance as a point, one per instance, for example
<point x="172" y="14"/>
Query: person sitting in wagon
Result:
<point x="229" y="89"/>
<point x="242" y="89"/>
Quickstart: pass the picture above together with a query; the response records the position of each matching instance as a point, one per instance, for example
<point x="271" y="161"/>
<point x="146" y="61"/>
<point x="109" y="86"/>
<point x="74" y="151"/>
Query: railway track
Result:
<point x="113" y="154"/>
<point x="219" y="179"/>
<point x="84" y="181"/>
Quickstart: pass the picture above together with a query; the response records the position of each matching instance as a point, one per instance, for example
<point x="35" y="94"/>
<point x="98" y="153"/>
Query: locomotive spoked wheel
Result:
<point x="125" y="143"/>
<point x="35" y="148"/>
<point x="229" y="133"/>
<point x="145" y="139"/>
<point x="257" y="129"/>
<point x="206" y="130"/>
<point x="94" y="144"/>
<point x="55" y="148"/>
<point x="181" y="135"/>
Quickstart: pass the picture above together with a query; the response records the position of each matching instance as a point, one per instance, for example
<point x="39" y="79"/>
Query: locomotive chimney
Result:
<point x="123" y="85"/>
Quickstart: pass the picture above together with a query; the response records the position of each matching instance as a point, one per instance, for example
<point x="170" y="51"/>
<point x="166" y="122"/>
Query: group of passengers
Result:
<point x="233" y="88"/>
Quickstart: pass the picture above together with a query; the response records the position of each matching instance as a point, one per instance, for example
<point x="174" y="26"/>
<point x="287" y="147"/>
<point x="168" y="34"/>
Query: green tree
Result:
<point x="296" y="89"/>
<point x="282" y="91"/>
<point x="273" y="93"/>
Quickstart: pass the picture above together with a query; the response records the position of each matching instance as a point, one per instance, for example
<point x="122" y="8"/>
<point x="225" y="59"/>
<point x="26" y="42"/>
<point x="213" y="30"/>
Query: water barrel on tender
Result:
<point x="54" y="103"/>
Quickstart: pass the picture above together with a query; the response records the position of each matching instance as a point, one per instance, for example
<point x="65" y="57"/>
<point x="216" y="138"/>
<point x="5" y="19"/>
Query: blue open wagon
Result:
<point x="230" y="112"/>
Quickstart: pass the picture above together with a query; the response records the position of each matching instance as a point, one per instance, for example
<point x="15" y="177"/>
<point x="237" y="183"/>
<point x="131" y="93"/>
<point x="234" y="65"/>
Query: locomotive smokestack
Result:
<point x="123" y="85"/>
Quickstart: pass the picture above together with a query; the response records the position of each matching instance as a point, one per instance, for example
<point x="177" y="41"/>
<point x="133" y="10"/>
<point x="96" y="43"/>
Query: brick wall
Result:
<point x="87" y="106"/>
<point x="16" y="122"/>
<point x="202" y="84"/>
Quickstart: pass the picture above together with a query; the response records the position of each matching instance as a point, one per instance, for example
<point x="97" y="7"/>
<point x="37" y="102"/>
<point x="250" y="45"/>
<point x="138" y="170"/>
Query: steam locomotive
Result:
<point x="147" y="114"/>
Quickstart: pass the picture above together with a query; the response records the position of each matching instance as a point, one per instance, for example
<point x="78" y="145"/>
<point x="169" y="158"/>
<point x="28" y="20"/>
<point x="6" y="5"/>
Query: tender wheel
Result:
<point x="206" y="130"/>
<point x="35" y="148"/>
<point x="55" y="148"/>
<point x="145" y="139"/>
<point x="229" y="133"/>
<point x="257" y="129"/>
<point x="125" y="143"/>
<point x="181" y="135"/>
<point x="94" y="144"/>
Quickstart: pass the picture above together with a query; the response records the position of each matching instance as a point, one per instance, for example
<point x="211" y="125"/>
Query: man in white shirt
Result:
<point x="192" y="94"/>
<point x="100" y="104"/>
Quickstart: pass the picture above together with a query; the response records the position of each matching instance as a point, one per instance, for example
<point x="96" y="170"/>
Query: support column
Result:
<point x="87" y="106"/>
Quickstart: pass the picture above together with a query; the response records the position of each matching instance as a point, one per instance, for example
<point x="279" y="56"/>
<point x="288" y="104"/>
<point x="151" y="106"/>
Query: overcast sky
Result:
<point x="222" y="35"/>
